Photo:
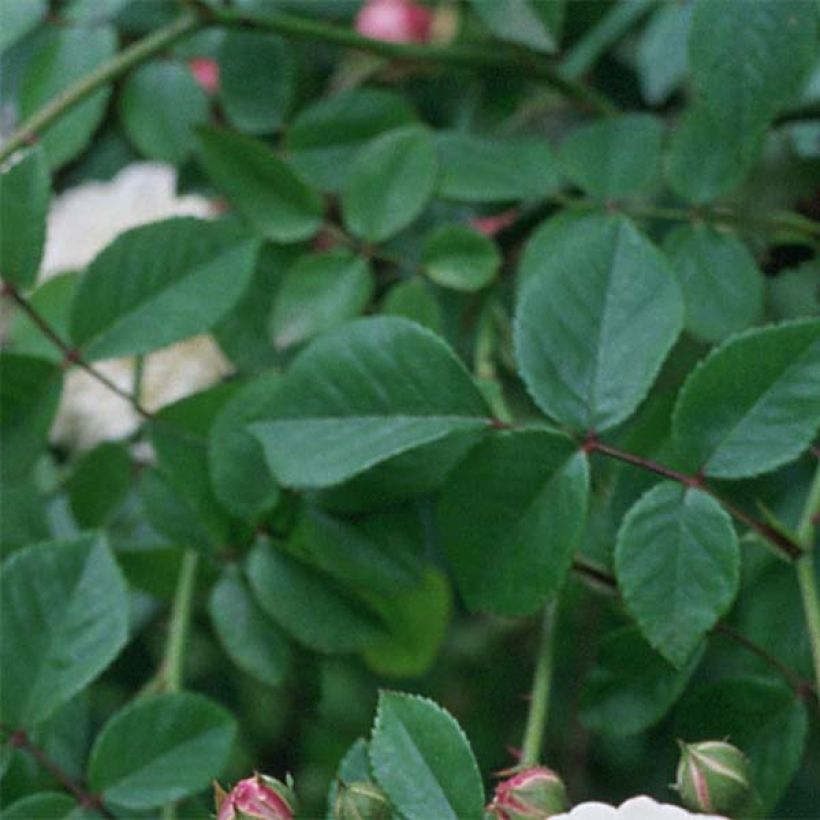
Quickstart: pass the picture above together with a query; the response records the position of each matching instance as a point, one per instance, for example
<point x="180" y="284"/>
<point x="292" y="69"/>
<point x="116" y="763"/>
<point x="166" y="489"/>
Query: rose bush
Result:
<point x="396" y="393"/>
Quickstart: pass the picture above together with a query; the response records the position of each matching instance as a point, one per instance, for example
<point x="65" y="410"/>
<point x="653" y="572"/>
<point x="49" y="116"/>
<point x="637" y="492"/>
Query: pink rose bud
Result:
<point x="206" y="73"/>
<point x="256" y="798"/>
<point x="396" y="21"/>
<point x="713" y="776"/>
<point x="493" y="224"/>
<point x="531" y="794"/>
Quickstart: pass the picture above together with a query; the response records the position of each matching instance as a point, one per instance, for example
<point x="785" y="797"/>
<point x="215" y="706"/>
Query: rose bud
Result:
<point x="396" y="21"/>
<point x="713" y="776"/>
<point x="531" y="794"/>
<point x="256" y="798"/>
<point x="361" y="801"/>
<point x="206" y="73"/>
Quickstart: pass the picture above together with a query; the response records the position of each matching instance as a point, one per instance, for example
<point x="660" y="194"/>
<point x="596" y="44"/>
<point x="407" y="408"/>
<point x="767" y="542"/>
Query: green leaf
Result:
<point x="678" y="565"/>
<point x="631" y="687"/>
<point x="160" y="749"/>
<point x="414" y="299"/>
<point x="754" y="403"/>
<point x="595" y="323"/>
<point x="25" y="188"/>
<point x="182" y="276"/>
<point x="417" y="620"/>
<point x="99" y="484"/>
<point x="248" y="636"/>
<point x="763" y="718"/>
<point x="615" y="158"/>
<point x="29" y="393"/>
<point x="380" y="552"/>
<point x="173" y="515"/>
<point x="61" y="56"/>
<point x="513" y="550"/>
<point x="662" y="57"/>
<point x="722" y="285"/>
<point x="239" y="474"/>
<point x="361" y="394"/>
<point x="481" y="169"/>
<point x="707" y="157"/>
<point x="460" y="258"/>
<point x="318" y="292"/>
<point x="390" y="184"/>
<point x="423" y="761"/>
<point x="774" y="43"/>
<point x="530" y="23"/>
<point x="312" y="608"/>
<point x="795" y="292"/>
<point x="64" y="619"/>
<point x="257" y="77"/>
<point x="46" y="805"/>
<point x="19" y="18"/>
<point x="52" y="301"/>
<point x="324" y="139"/>
<point x="160" y="105"/>
<point x="243" y="333"/>
<point x="273" y="199"/>
<point x="179" y="434"/>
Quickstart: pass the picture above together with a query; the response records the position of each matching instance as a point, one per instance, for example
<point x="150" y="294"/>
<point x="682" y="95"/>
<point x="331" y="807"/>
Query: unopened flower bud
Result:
<point x="531" y="794"/>
<point x="396" y="21"/>
<point x="713" y="776"/>
<point x="361" y="801"/>
<point x="256" y="798"/>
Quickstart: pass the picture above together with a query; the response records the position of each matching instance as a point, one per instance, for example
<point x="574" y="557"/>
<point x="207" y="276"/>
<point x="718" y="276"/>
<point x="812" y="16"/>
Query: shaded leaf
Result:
<point x="318" y="292"/>
<point x="311" y="607"/>
<point x="160" y="105"/>
<point x="631" y="687"/>
<point x="513" y="550"/>
<point x="678" y="565"/>
<point x="25" y="188"/>
<point x="614" y="158"/>
<point x="722" y="285"/>
<point x="64" y="619"/>
<point x="362" y="394"/>
<point x="595" y="322"/>
<point x="390" y="183"/>
<point x="273" y="199"/>
<point x="423" y="761"/>
<point x="249" y="637"/>
<point x="160" y="283"/>
<point x="754" y="403"/>
<point x="460" y="258"/>
<point x="159" y="749"/>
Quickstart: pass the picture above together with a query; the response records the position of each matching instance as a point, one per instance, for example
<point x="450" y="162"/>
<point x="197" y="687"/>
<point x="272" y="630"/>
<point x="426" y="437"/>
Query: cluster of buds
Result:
<point x="713" y="776"/>
<point x="535" y="793"/>
<point x="256" y="798"/>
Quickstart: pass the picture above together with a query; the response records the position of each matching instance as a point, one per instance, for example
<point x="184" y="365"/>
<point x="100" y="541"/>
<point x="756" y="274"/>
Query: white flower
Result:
<point x="83" y="220"/>
<point x="636" y="808"/>
<point x="81" y="223"/>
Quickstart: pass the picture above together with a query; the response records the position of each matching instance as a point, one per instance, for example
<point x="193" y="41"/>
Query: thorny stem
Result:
<point x="70" y="356"/>
<point x="492" y="58"/>
<point x="19" y="739"/>
<point x="785" y="545"/>
<point x="132" y="56"/>
<point x="173" y="662"/>
<point x="806" y="571"/>
<point x="541" y="685"/>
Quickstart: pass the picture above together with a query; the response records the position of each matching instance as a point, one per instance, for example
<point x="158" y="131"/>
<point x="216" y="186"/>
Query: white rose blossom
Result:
<point x="82" y="221"/>
<point x="636" y="808"/>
